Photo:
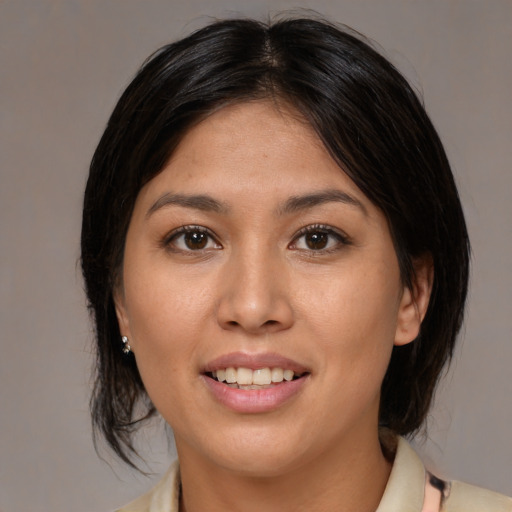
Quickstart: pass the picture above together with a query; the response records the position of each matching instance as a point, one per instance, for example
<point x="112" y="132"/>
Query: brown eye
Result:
<point x="316" y="240"/>
<point x="321" y="239"/>
<point x="190" y="239"/>
<point x="195" y="240"/>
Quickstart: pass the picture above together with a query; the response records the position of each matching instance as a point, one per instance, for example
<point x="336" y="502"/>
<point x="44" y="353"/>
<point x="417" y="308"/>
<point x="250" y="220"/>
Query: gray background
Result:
<point x="63" y="65"/>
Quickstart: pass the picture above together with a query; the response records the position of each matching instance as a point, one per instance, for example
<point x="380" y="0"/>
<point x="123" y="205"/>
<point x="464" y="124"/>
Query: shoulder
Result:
<point x="405" y="491"/>
<point x="410" y="487"/>
<point x="469" y="498"/>
<point x="164" y="497"/>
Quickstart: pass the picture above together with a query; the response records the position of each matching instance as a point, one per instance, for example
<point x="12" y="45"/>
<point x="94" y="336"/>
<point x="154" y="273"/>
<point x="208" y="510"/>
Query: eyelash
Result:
<point x="342" y="239"/>
<point x="172" y="237"/>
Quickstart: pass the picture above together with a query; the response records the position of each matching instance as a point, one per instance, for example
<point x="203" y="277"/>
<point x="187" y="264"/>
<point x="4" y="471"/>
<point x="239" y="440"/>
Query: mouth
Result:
<point x="255" y="383"/>
<point x="248" y="379"/>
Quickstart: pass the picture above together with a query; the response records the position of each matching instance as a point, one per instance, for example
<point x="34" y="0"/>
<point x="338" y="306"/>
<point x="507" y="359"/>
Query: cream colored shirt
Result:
<point x="408" y="490"/>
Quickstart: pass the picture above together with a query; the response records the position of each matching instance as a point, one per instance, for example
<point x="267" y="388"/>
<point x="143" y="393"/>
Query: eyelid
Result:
<point x="188" y="228"/>
<point x="342" y="237"/>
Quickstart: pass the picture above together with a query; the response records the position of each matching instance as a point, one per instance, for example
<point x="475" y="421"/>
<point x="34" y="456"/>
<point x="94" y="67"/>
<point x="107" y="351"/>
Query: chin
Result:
<point x="262" y="454"/>
<point x="260" y="463"/>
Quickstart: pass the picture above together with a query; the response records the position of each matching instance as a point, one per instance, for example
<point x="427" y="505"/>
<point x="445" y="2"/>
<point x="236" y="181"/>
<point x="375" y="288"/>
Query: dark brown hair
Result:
<point x="371" y="122"/>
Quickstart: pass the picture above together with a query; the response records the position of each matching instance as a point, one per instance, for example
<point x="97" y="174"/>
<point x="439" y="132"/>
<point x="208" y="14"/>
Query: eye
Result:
<point x="191" y="238"/>
<point x="319" y="238"/>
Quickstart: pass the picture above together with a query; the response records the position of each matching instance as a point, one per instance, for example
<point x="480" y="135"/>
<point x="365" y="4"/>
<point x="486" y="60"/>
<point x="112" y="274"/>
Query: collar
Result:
<point x="406" y="485"/>
<point x="404" y="490"/>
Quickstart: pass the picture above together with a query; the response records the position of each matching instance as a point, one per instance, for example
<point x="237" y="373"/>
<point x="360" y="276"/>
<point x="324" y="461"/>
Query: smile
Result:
<point x="255" y="383"/>
<point x="245" y="378"/>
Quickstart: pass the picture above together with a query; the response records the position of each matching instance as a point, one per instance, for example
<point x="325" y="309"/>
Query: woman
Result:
<point x="276" y="260"/>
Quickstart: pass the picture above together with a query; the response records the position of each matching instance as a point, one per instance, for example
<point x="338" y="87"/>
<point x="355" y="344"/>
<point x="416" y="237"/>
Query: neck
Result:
<point x="350" y="478"/>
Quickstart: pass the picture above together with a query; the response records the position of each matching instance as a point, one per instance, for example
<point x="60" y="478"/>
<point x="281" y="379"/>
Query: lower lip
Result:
<point x="251" y="401"/>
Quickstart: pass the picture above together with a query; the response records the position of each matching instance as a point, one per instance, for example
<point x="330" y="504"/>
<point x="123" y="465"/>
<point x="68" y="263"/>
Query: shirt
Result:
<point x="410" y="488"/>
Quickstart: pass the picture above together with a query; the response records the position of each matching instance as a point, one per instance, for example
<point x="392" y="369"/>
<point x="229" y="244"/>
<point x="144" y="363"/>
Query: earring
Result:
<point x="126" y="346"/>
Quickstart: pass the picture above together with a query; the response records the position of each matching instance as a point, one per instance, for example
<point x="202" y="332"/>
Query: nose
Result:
<point x="254" y="294"/>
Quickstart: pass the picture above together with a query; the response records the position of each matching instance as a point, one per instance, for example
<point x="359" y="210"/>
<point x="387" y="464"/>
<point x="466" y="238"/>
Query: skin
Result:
<point x="258" y="287"/>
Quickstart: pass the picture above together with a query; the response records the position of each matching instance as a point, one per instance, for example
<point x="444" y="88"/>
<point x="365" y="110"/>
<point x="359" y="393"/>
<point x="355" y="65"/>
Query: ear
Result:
<point x="414" y="302"/>
<point x="122" y="313"/>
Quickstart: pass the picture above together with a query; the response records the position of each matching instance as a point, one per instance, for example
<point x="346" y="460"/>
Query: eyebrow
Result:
<point x="292" y="205"/>
<point x="197" y="202"/>
<point x="305" y="202"/>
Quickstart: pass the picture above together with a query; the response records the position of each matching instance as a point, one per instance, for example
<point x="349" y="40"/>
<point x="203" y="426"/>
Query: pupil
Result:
<point x="196" y="240"/>
<point x="317" y="240"/>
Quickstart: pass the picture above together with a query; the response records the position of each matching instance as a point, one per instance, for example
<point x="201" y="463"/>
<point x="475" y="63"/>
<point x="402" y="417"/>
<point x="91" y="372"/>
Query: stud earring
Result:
<point x="126" y="345"/>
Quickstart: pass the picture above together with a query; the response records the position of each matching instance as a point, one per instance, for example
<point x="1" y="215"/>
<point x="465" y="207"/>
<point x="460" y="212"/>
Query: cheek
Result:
<point x="167" y="314"/>
<point x="354" y="322"/>
<point x="355" y="306"/>
<point x="162" y="303"/>
<point x="165" y="326"/>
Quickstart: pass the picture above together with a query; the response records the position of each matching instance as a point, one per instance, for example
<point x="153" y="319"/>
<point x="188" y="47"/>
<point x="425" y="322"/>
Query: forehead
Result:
<point x="255" y="150"/>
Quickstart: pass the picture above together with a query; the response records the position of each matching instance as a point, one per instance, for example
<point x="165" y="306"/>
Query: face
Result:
<point x="250" y="260"/>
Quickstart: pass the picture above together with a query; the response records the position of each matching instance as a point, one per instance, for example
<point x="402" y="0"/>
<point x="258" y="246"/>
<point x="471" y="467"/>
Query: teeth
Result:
<point x="244" y="376"/>
<point x="277" y="374"/>
<point x="261" y="377"/>
<point x="231" y="375"/>
<point x="250" y="379"/>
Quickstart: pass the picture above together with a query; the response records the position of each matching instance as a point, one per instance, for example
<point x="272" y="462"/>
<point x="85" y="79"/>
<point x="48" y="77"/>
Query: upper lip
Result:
<point x="254" y="362"/>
